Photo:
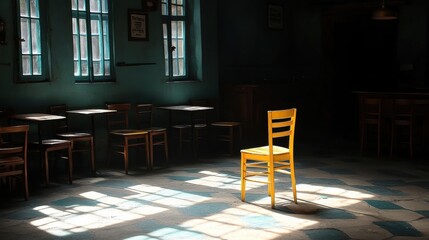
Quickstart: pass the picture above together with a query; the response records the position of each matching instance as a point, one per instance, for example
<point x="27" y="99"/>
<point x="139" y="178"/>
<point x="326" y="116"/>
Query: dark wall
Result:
<point x="326" y="51"/>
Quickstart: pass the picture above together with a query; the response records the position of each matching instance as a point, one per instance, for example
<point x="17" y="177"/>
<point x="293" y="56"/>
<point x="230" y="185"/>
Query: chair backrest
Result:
<point x="281" y="128"/>
<point x="61" y="126"/>
<point x="403" y="109"/>
<point x="370" y="108"/>
<point x="118" y="119"/>
<point x="144" y="116"/>
<point x="17" y="138"/>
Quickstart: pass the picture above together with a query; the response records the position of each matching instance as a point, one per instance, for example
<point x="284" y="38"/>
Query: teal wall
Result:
<point x="133" y="83"/>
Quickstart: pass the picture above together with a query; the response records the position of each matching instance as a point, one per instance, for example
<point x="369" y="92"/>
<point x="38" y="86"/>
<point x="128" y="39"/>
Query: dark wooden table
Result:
<point x="189" y="109"/>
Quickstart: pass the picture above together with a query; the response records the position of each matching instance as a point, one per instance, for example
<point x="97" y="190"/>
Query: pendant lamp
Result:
<point x="383" y="13"/>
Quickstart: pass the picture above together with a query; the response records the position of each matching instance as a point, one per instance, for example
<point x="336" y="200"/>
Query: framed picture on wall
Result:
<point x="150" y="5"/>
<point x="275" y="16"/>
<point x="137" y="25"/>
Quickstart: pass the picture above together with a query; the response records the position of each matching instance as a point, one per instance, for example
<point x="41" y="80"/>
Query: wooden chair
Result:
<point x="121" y="137"/>
<point x="55" y="146"/>
<point x="62" y="131"/>
<point x="402" y="124"/>
<point x="227" y="132"/>
<point x="421" y="121"/>
<point x="277" y="156"/>
<point x="195" y="129"/>
<point x="370" y="116"/>
<point x="157" y="135"/>
<point x="13" y="154"/>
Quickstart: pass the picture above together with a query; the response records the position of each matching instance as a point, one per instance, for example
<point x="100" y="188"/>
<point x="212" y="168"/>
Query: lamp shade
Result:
<point x="384" y="14"/>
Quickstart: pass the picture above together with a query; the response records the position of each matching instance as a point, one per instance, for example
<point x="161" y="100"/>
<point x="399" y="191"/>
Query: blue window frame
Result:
<point x="33" y="48"/>
<point x="174" y="24"/>
<point x="92" y="46"/>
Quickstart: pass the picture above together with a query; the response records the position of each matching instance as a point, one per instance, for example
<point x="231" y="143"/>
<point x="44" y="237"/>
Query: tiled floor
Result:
<point x="341" y="196"/>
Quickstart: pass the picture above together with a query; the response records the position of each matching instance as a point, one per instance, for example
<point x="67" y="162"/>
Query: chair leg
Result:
<point x="243" y="178"/>
<point x="293" y="181"/>
<point x="411" y="142"/>
<point x="126" y="155"/>
<point x="151" y="150"/>
<point x="166" y="147"/>
<point x="70" y="163"/>
<point x="25" y="179"/>
<point x="92" y="156"/>
<point x="46" y="168"/>
<point x="378" y="141"/>
<point x="231" y="141"/>
<point x="149" y="153"/>
<point x="392" y="140"/>
<point x="271" y="184"/>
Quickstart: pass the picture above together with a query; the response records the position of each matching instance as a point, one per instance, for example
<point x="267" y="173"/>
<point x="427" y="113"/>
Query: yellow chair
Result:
<point x="277" y="156"/>
<point x="157" y="135"/>
<point x="13" y="154"/>
<point x="62" y="131"/>
<point x="121" y="137"/>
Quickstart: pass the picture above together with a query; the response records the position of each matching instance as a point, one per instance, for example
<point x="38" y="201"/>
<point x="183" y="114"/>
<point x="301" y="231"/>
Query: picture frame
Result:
<point x="137" y="25"/>
<point x="275" y="16"/>
<point x="150" y="5"/>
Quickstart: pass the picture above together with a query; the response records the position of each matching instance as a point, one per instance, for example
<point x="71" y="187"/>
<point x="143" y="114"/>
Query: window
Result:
<point x="91" y="41"/>
<point x="174" y="33"/>
<point x="33" y="49"/>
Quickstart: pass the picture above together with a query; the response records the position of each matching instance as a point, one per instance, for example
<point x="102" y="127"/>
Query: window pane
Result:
<point x="26" y="65"/>
<point x="104" y="6"/>
<point x="95" y="27"/>
<point x="76" y="68"/>
<point x="94" y="6"/>
<point x="96" y="48"/>
<point x="84" y="68"/>
<point x="23" y="8"/>
<point x="97" y="68"/>
<point x="83" y="48"/>
<point x="74" y="4"/>
<point x="74" y="26"/>
<point x="107" y="68"/>
<point x="25" y="36"/>
<point x="82" y="26"/>
<point x="34" y="8"/>
<point x="35" y="37"/>
<point x="37" y="65"/>
<point x="81" y="5"/>
<point x="106" y="51"/>
<point x="75" y="48"/>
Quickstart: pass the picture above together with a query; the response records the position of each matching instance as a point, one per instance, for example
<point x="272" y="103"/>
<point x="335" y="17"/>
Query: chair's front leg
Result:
<point x="243" y="177"/>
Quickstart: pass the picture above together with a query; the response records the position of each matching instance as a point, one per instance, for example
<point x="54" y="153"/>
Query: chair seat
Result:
<point x="51" y="142"/>
<point x="74" y="135"/>
<point x="264" y="150"/>
<point x="154" y="129"/>
<point x="225" y="124"/>
<point x="180" y="126"/>
<point x="128" y="132"/>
